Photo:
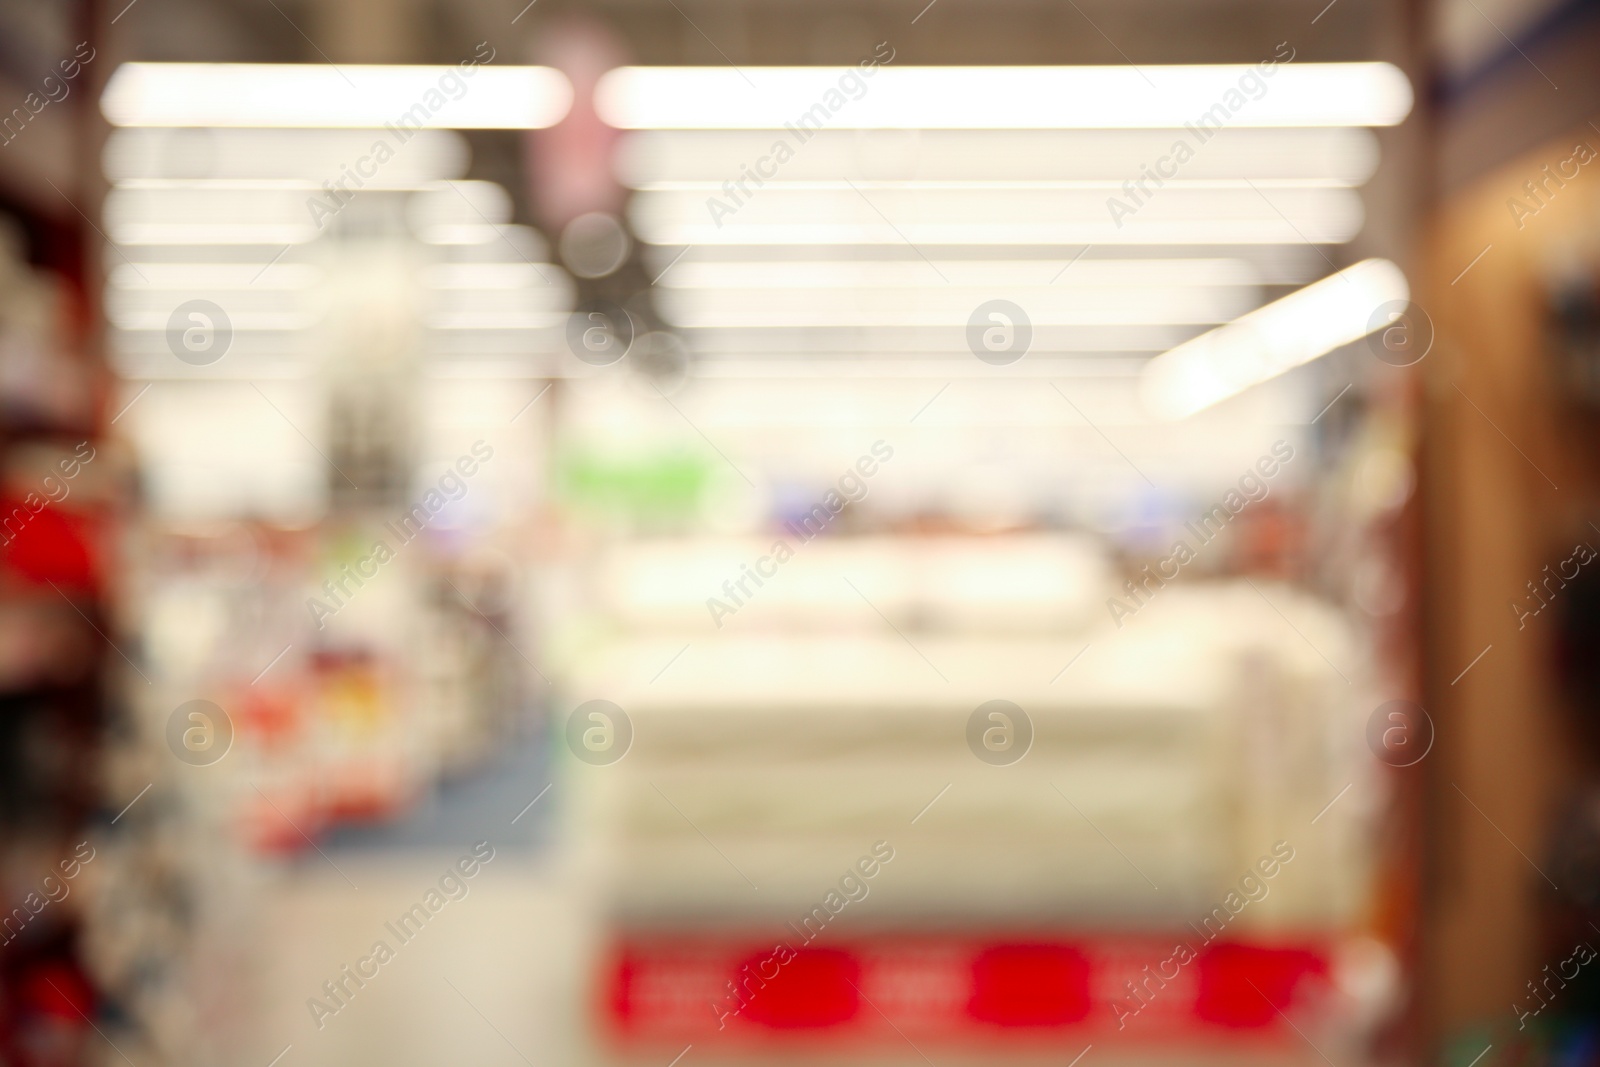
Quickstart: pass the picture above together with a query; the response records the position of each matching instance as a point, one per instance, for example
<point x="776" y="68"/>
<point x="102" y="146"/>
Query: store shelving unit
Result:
<point x="58" y="494"/>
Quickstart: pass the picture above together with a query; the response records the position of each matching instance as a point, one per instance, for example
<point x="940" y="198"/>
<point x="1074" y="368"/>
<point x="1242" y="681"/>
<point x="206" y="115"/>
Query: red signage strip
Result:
<point x="720" y="991"/>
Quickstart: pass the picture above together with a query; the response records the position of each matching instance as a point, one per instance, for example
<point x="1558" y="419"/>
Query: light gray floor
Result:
<point x="490" y="979"/>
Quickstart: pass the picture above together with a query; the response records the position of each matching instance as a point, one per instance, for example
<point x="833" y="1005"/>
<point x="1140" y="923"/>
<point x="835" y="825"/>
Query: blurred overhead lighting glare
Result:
<point x="482" y="276"/>
<point x="979" y="98"/>
<point x="137" y="154"/>
<point x="780" y="215"/>
<point x="321" y="95"/>
<point x="1278" y="337"/>
<point x="208" y="277"/>
<point x="768" y="308"/>
<point x="1336" y="154"/>
<point x="913" y="274"/>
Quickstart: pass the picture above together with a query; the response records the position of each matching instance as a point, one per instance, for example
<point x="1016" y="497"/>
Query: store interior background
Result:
<point x="1419" y="540"/>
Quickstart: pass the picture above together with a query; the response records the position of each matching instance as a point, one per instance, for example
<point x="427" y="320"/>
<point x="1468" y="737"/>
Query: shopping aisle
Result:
<point x="863" y="535"/>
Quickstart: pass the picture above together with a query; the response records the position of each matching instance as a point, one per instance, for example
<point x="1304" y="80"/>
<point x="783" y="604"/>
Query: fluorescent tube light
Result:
<point x="1173" y="215"/>
<point x="471" y="233"/>
<point x="322" y="95"/>
<point x="508" y="319"/>
<point x="301" y="186"/>
<point x="1086" y="273"/>
<point x="133" y="316"/>
<point x="314" y="156"/>
<point x="212" y="233"/>
<point x="897" y="342"/>
<point x="481" y="276"/>
<point x="1336" y="153"/>
<point x="201" y="214"/>
<point x="1102" y="186"/>
<point x="199" y="278"/>
<point x="1286" y="333"/>
<point x="1300" y="94"/>
<point x="950" y="305"/>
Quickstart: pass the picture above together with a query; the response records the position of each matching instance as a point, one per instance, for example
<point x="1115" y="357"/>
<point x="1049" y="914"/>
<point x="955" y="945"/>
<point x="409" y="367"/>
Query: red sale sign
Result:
<point x="722" y="992"/>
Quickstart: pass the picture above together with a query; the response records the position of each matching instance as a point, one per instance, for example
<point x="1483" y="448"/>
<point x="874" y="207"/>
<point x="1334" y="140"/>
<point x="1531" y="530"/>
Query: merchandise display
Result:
<point x="59" y="491"/>
<point x="765" y="757"/>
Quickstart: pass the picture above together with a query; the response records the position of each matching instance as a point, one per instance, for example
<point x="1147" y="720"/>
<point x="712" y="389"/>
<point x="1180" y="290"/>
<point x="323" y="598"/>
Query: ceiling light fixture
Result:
<point x="1273" y="339"/>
